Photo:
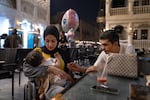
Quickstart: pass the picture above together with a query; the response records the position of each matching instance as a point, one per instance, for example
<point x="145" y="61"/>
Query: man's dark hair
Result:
<point x="34" y="58"/>
<point x="110" y="35"/>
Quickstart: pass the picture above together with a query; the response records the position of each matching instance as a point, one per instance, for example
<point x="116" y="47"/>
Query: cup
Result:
<point x="102" y="76"/>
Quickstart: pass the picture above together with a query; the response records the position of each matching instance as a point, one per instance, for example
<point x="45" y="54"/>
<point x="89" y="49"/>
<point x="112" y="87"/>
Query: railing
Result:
<point x="141" y="44"/>
<point x="119" y="11"/>
<point x="141" y="9"/>
<point x="124" y="10"/>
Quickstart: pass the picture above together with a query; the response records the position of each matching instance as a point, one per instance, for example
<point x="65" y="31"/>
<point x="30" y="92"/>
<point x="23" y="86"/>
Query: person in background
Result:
<point x="13" y="41"/>
<point x="51" y="50"/>
<point x="63" y="40"/>
<point x="110" y="44"/>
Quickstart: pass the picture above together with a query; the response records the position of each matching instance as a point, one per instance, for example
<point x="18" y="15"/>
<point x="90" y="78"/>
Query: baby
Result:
<point x="55" y="79"/>
<point x="36" y="56"/>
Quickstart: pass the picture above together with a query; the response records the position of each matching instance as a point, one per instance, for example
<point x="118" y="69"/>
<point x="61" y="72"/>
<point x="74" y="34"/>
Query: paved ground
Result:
<point x="5" y="88"/>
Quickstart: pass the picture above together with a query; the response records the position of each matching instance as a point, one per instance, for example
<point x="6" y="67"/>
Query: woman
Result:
<point x="50" y="50"/>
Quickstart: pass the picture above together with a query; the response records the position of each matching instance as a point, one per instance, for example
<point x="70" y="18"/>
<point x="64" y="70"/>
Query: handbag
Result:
<point x="124" y="65"/>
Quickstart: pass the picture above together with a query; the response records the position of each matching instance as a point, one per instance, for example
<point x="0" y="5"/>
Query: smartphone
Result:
<point x="105" y="89"/>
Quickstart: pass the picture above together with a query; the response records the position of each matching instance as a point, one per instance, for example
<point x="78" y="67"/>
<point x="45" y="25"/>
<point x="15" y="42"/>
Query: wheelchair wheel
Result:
<point x="25" y="92"/>
<point x="29" y="91"/>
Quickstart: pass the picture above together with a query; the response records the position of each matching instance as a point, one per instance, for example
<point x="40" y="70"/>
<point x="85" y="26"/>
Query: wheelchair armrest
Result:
<point x="12" y="64"/>
<point x="9" y="66"/>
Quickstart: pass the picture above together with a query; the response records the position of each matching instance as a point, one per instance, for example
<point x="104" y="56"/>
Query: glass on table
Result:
<point x="102" y="76"/>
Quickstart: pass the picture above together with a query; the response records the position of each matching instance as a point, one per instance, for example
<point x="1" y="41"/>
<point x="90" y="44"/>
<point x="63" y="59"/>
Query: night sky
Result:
<point x="86" y="9"/>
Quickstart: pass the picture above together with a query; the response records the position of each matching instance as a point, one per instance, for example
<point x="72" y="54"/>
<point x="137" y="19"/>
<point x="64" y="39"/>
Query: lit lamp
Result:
<point x="18" y="23"/>
<point x="130" y="29"/>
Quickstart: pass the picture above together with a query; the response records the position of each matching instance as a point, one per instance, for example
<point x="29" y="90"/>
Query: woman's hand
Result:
<point x="58" y="57"/>
<point x="56" y="71"/>
<point x="69" y="78"/>
<point x="62" y="74"/>
<point x="73" y="67"/>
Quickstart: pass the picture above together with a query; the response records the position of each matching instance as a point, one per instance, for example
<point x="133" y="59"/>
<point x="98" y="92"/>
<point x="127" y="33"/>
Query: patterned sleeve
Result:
<point x="100" y="60"/>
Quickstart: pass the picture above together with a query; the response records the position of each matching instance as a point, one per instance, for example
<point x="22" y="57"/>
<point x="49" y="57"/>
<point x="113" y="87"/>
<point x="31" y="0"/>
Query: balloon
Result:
<point x="70" y="20"/>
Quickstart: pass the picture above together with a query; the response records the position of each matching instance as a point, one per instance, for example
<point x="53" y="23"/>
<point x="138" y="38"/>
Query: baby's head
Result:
<point x="34" y="58"/>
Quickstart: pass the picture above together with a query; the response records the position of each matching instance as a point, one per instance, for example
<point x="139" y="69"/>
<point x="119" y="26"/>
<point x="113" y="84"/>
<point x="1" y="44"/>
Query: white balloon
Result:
<point x="70" y="20"/>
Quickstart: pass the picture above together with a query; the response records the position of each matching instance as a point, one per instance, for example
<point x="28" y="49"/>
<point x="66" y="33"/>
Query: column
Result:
<point x="35" y="13"/>
<point x="130" y="33"/>
<point x="12" y="22"/>
<point x="107" y="26"/>
<point x="48" y="14"/>
<point x="130" y="6"/>
<point x="19" y="15"/>
<point x="108" y="2"/>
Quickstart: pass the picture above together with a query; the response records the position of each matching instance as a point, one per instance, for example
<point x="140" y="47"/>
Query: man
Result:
<point x="13" y="41"/>
<point x="110" y="44"/>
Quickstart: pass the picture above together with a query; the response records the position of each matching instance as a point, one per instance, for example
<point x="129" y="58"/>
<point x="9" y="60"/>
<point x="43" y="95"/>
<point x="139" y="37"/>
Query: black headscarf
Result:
<point x="45" y="50"/>
<point x="51" y="30"/>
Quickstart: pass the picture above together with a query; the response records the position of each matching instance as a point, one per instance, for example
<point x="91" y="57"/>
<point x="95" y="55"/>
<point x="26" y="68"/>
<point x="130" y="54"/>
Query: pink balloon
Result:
<point x="70" y="20"/>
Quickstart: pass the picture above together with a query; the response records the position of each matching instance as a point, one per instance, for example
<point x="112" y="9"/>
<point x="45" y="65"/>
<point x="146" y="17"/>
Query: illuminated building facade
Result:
<point x="133" y="17"/>
<point x="30" y="17"/>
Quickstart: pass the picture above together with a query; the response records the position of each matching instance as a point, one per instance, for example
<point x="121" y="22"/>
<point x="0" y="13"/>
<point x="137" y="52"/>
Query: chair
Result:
<point x="8" y="55"/>
<point x="21" y="54"/>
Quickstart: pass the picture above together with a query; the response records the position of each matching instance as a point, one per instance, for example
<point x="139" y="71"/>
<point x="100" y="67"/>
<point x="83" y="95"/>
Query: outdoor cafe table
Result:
<point x="82" y="89"/>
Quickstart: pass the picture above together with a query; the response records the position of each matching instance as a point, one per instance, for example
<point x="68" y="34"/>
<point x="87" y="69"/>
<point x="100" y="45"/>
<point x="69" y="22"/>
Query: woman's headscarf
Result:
<point x="51" y="30"/>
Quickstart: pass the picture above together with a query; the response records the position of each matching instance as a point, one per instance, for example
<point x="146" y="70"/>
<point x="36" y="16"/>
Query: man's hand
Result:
<point x="75" y="67"/>
<point x="91" y="69"/>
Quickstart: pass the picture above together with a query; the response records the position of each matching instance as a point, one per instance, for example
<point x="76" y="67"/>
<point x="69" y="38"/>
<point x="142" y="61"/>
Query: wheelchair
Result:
<point x="31" y="90"/>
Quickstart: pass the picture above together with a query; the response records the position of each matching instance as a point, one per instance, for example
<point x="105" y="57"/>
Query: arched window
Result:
<point x="144" y="34"/>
